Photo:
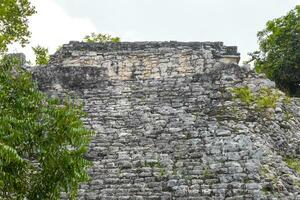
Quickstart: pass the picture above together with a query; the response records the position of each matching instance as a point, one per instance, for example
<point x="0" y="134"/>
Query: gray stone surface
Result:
<point x="167" y="126"/>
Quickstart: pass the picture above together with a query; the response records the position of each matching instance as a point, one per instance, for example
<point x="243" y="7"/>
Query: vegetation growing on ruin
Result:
<point x="244" y="94"/>
<point x="208" y="173"/>
<point x="42" y="56"/>
<point x="267" y="98"/>
<point x="262" y="99"/>
<point x="102" y="38"/>
<point x="293" y="163"/>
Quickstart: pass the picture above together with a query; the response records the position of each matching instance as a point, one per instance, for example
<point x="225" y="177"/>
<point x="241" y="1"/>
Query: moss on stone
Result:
<point x="208" y="173"/>
<point x="162" y="172"/>
<point x="265" y="189"/>
<point x="293" y="163"/>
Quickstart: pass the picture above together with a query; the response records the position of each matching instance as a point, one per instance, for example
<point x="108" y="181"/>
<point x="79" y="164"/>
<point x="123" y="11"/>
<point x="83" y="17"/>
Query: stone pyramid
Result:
<point x="177" y="120"/>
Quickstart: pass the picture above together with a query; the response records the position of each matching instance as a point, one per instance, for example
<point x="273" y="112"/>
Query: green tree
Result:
<point x="14" y="22"/>
<point x="100" y="38"/>
<point x="42" y="141"/>
<point x="41" y="55"/>
<point x="279" y="53"/>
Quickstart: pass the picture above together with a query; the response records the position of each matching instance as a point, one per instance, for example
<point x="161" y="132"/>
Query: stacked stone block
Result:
<point x="167" y="126"/>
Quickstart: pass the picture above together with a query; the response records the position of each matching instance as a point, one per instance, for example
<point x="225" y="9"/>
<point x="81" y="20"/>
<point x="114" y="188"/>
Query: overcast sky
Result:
<point x="235" y="22"/>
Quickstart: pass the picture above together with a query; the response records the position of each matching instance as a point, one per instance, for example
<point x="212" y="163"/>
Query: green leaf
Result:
<point x="279" y="54"/>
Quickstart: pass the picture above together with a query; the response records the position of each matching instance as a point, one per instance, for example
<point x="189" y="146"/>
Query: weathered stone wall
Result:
<point x="145" y="60"/>
<point x="167" y="126"/>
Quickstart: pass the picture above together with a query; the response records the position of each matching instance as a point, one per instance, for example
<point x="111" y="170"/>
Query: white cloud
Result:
<point x="52" y="27"/>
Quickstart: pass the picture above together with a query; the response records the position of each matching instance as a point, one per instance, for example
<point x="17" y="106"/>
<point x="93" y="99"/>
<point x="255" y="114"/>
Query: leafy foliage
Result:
<point x="41" y="55"/>
<point x="279" y="54"/>
<point x="264" y="98"/>
<point x="293" y="163"/>
<point x="14" y="22"/>
<point x="245" y="94"/>
<point x="267" y="98"/>
<point x="42" y="141"/>
<point x="93" y="38"/>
